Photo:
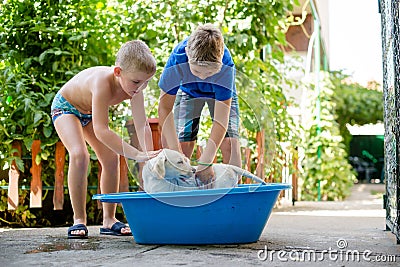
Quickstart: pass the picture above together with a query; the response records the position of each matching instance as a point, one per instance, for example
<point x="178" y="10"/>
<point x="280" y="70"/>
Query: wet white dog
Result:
<point x="171" y="171"/>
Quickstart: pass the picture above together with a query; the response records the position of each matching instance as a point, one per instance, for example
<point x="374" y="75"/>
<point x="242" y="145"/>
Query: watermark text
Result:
<point x="341" y="253"/>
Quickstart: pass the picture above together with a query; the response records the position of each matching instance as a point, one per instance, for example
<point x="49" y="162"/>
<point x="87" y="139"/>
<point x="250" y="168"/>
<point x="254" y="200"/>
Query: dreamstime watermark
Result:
<point x="332" y="254"/>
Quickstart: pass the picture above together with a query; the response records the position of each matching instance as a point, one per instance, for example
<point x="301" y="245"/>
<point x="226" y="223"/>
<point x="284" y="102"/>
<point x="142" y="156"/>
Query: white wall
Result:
<point x="355" y="39"/>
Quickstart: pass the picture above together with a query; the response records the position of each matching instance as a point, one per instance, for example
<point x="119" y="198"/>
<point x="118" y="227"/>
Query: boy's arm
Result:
<point x="105" y="134"/>
<point x="218" y="130"/>
<point x="166" y="121"/>
<point x="142" y="127"/>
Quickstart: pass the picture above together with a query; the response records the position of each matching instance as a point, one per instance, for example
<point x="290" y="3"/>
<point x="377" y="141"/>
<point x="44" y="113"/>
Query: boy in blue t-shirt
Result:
<point x="200" y="70"/>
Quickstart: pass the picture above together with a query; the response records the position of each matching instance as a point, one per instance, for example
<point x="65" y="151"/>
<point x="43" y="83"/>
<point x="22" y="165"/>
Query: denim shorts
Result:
<point x="61" y="106"/>
<point x="187" y="111"/>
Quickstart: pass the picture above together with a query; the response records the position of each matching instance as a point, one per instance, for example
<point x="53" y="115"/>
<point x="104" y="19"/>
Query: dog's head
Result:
<point x="171" y="164"/>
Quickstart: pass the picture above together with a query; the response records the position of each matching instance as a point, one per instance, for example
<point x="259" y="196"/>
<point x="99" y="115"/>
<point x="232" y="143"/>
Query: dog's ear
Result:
<point x="159" y="166"/>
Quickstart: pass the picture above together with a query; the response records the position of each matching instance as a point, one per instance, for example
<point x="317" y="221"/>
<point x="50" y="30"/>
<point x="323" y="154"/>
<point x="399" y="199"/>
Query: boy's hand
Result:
<point x="206" y="175"/>
<point x="144" y="156"/>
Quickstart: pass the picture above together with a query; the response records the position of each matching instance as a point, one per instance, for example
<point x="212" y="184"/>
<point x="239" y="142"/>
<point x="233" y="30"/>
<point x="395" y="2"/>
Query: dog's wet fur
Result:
<point x="171" y="171"/>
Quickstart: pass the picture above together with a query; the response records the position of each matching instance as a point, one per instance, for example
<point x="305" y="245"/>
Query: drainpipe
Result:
<point x="318" y="89"/>
<point x="317" y="68"/>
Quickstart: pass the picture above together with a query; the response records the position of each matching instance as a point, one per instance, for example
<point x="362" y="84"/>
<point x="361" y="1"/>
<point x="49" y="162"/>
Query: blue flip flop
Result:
<point x="77" y="227"/>
<point x="115" y="230"/>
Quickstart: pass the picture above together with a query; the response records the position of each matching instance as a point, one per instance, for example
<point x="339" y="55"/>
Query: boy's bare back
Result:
<point x="96" y="80"/>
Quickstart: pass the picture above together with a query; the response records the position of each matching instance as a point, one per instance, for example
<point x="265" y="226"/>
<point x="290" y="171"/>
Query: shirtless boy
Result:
<point x="80" y="114"/>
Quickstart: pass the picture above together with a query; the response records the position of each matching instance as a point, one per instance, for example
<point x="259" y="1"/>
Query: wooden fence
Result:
<point x="59" y="176"/>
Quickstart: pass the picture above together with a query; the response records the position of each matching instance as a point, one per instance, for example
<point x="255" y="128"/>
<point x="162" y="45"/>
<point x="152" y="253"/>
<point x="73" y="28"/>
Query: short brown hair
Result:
<point x="135" y="56"/>
<point x="205" y="44"/>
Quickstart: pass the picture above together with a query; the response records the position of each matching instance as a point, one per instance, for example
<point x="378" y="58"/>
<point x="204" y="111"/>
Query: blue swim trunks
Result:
<point x="61" y="106"/>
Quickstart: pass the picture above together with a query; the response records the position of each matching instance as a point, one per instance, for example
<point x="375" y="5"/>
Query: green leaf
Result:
<point x="44" y="155"/>
<point x="75" y="38"/>
<point x="37" y="117"/>
<point x="42" y="57"/>
<point x="38" y="159"/>
<point x="27" y="104"/>
<point x="48" y="131"/>
<point x="20" y="164"/>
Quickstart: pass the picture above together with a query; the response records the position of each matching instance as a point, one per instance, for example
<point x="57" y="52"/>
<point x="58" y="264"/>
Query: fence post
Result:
<point x="123" y="175"/>
<point x="58" y="196"/>
<point x="260" y="172"/>
<point x="247" y="165"/>
<point x="155" y="133"/>
<point x="36" y="183"/>
<point x="295" y="176"/>
<point x="13" y="176"/>
<point x="156" y="137"/>
<point x="99" y="205"/>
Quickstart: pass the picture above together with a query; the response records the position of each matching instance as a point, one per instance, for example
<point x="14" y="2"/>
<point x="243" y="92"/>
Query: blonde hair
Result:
<point x="205" y="44"/>
<point x="135" y="56"/>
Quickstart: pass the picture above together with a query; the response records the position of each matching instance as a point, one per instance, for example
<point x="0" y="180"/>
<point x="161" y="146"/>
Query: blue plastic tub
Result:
<point x="213" y="216"/>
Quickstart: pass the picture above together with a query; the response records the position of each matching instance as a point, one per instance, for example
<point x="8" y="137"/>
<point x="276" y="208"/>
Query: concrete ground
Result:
<point x="347" y="233"/>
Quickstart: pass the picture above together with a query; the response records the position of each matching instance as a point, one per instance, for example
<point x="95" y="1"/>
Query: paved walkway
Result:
<point x="348" y="233"/>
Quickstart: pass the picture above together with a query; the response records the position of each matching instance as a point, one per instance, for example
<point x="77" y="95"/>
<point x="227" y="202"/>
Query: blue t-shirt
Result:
<point x="177" y="74"/>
